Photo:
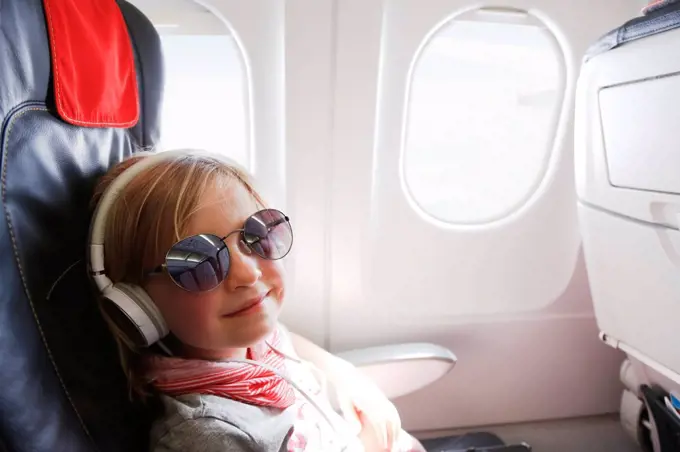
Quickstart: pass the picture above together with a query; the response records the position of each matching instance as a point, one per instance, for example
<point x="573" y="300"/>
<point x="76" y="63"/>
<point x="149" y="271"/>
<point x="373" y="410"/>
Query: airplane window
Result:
<point x="206" y="97"/>
<point x="483" y="102"/>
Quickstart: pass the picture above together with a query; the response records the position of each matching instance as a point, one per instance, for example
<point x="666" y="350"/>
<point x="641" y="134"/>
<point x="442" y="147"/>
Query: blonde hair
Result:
<point x="151" y="213"/>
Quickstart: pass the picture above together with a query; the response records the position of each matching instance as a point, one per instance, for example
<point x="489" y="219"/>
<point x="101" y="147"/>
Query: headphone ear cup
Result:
<point x="135" y="313"/>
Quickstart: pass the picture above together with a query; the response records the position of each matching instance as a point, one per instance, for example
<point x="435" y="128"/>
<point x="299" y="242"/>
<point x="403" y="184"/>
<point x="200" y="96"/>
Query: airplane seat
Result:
<point x="79" y="91"/>
<point x="627" y="166"/>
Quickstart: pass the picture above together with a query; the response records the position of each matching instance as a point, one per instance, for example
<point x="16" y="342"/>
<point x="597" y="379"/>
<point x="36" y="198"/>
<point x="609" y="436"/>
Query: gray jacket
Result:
<point x="206" y="423"/>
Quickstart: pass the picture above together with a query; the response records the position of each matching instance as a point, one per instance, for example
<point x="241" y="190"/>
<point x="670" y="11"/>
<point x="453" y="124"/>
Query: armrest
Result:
<point x="403" y="368"/>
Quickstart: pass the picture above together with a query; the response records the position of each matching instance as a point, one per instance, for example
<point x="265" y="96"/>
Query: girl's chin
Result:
<point x="255" y="332"/>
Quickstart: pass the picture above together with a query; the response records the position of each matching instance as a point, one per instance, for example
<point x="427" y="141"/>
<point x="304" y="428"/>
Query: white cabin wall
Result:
<point x="309" y="129"/>
<point x="515" y="365"/>
<point x="545" y="363"/>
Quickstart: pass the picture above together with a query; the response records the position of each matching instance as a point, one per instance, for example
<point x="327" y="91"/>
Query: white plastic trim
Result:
<point x="404" y="368"/>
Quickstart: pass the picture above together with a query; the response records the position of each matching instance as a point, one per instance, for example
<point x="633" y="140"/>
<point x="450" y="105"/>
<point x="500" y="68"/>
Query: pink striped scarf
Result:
<point x="239" y="381"/>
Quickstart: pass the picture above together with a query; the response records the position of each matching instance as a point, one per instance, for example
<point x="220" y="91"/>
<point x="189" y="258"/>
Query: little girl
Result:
<point x="194" y="233"/>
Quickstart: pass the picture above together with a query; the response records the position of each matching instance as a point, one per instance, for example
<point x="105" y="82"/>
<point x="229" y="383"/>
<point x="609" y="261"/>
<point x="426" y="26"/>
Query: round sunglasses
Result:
<point x="201" y="262"/>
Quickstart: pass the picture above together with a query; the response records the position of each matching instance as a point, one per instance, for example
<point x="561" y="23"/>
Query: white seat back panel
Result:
<point x="627" y="157"/>
<point x="627" y="136"/>
<point x="634" y="274"/>
<point x="640" y="128"/>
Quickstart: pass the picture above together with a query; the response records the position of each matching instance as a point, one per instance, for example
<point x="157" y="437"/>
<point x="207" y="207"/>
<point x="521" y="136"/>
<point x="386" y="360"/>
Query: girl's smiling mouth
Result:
<point x="250" y="306"/>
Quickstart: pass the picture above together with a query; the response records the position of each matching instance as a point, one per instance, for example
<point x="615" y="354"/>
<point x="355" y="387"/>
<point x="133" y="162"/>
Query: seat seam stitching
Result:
<point x="10" y="229"/>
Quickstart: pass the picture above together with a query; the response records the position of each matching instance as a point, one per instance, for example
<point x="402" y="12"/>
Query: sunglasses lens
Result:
<point x="269" y="234"/>
<point x="198" y="263"/>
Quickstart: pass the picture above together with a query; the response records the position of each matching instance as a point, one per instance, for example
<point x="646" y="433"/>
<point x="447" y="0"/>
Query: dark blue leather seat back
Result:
<point x="659" y="17"/>
<point x="61" y="388"/>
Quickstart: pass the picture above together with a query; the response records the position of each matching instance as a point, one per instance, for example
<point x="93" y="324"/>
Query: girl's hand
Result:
<point x="371" y="435"/>
<point x="362" y="402"/>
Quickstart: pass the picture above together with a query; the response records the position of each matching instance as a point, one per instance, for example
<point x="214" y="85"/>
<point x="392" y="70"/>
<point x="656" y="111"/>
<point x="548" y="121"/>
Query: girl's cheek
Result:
<point x="179" y="305"/>
<point x="201" y="306"/>
<point x="275" y="273"/>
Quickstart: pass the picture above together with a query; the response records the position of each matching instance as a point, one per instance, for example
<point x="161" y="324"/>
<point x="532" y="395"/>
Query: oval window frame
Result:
<point x="558" y="122"/>
<point x="246" y="74"/>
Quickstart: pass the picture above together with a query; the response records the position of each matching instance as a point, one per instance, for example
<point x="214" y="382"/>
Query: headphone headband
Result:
<point x="112" y="192"/>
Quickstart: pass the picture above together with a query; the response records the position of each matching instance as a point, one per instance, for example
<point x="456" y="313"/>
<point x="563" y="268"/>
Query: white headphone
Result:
<point x="132" y="300"/>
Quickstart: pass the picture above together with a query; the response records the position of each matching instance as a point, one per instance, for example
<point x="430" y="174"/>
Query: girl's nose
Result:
<point x="244" y="267"/>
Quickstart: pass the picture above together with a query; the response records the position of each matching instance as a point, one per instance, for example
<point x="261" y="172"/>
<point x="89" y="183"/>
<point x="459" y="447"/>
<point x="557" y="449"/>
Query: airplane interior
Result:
<point x="485" y="197"/>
